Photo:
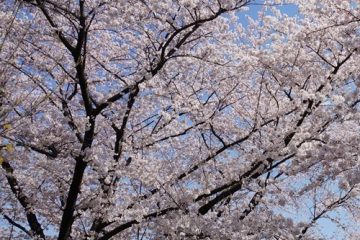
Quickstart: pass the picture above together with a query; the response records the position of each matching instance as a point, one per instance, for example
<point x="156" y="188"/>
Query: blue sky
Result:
<point x="256" y="6"/>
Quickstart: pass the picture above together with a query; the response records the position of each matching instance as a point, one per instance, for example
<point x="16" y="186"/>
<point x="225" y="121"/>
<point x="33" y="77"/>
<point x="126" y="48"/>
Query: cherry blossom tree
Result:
<point x="173" y="119"/>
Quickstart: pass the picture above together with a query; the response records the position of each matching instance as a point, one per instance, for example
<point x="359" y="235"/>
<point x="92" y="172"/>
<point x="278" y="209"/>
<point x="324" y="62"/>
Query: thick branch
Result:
<point x="129" y="224"/>
<point x="23" y="200"/>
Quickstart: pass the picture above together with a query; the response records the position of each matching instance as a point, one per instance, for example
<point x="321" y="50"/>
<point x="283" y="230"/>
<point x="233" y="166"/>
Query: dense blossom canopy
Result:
<point x="179" y="119"/>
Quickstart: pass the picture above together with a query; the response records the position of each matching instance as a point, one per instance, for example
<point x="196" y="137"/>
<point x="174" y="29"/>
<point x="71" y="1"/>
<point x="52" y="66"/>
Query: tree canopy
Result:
<point x="178" y="119"/>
